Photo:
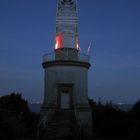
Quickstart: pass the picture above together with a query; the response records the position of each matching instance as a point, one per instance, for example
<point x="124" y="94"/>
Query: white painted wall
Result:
<point x="66" y="74"/>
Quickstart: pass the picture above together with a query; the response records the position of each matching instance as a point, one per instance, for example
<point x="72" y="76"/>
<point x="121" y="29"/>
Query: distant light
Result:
<point x="121" y="103"/>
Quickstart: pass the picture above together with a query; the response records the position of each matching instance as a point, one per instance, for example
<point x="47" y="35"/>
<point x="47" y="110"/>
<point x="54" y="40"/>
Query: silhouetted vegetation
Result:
<point x="16" y="119"/>
<point x="18" y="122"/>
<point x="113" y="124"/>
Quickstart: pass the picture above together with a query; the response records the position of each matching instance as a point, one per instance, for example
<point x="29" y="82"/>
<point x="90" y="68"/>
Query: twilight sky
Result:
<point x="27" y="31"/>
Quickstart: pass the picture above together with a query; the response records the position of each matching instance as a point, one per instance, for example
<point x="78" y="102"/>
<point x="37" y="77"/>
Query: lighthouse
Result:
<point x="66" y="70"/>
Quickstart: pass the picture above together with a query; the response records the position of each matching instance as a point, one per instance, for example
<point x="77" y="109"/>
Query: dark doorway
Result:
<point x="65" y="96"/>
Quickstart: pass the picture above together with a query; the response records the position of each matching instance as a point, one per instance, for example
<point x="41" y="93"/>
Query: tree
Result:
<point x="15" y="104"/>
<point x="16" y="119"/>
<point x="136" y="109"/>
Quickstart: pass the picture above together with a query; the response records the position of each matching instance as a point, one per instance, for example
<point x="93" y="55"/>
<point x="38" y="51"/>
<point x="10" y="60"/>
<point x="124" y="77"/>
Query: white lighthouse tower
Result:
<point x="66" y="70"/>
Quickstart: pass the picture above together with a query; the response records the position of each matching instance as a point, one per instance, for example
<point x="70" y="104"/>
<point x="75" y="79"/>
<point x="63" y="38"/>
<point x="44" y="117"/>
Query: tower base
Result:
<point x="80" y="113"/>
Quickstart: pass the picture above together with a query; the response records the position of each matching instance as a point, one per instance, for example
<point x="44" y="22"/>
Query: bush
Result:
<point x="16" y="119"/>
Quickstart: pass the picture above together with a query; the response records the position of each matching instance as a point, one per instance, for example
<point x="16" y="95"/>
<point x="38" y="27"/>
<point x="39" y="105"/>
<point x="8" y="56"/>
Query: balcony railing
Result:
<point x="66" y="57"/>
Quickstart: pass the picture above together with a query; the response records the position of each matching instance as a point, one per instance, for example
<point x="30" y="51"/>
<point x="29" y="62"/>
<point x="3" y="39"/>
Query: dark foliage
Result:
<point x="16" y="119"/>
<point x="136" y="109"/>
<point x="113" y="124"/>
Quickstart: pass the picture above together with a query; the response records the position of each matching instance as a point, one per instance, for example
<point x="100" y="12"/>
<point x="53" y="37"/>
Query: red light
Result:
<point x="58" y="40"/>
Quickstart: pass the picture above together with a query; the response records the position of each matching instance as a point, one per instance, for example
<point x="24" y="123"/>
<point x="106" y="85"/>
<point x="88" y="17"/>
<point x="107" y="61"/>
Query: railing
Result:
<point x="79" y="131"/>
<point x="46" y="119"/>
<point x="69" y="56"/>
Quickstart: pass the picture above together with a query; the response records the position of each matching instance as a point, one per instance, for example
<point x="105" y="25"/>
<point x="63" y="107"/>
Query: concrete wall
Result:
<point x="70" y="75"/>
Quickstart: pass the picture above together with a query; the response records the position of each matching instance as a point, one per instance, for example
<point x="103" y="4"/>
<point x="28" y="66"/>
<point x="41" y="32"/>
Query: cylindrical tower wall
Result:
<point x="75" y="75"/>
